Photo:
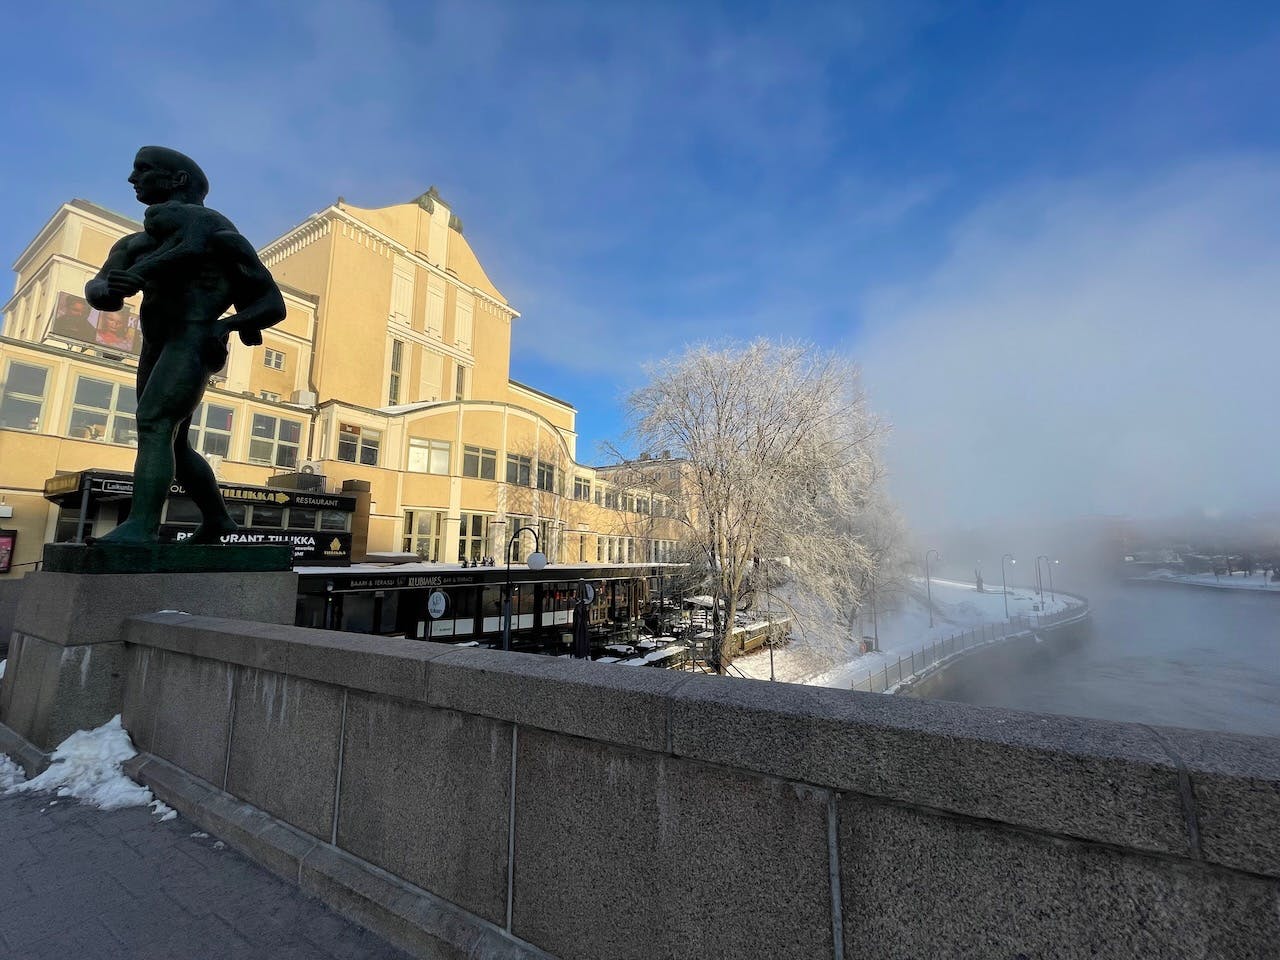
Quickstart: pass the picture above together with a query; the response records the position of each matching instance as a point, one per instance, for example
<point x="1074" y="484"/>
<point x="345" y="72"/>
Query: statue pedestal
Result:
<point x="67" y="656"/>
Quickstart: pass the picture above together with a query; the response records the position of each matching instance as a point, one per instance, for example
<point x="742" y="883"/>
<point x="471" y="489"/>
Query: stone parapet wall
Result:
<point x="589" y="811"/>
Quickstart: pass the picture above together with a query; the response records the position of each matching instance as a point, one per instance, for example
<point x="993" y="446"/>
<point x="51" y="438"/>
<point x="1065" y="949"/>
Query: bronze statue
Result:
<point x="191" y="265"/>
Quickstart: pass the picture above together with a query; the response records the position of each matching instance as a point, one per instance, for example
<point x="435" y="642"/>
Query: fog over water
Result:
<point x="1102" y="346"/>
<point x="1090" y="350"/>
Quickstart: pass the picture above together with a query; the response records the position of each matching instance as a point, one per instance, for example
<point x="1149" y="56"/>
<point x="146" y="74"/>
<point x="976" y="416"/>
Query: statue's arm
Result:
<point x="258" y="301"/>
<point x="115" y="280"/>
<point x="192" y="239"/>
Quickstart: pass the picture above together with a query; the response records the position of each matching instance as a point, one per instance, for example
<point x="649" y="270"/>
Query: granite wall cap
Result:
<point x="1097" y="780"/>
<point x="596" y="701"/>
<point x="1235" y="787"/>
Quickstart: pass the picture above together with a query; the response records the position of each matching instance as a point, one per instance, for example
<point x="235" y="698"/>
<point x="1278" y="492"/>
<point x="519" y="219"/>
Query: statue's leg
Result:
<point x="195" y="474"/>
<point x="171" y="393"/>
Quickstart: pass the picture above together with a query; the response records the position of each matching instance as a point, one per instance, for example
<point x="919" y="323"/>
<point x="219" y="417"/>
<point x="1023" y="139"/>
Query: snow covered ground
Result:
<point x="1236" y="581"/>
<point x="829" y="660"/>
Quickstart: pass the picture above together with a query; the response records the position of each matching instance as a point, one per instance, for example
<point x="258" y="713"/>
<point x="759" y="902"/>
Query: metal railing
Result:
<point x="918" y="661"/>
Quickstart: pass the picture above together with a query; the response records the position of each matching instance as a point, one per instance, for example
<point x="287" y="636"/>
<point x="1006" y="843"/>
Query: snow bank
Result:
<point x="87" y="766"/>
<point x="10" y="773"/>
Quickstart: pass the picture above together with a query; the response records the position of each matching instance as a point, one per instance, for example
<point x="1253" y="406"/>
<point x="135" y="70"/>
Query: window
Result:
<point x="460" y="383"/>
<point x="274" y="440"/>
<point x="302" y="518"/>
<point x="423" y="532"/>
<point x="429" y="456"/>
<point x="546" y="476"/>
<point x="479" y="462"/>
<point x="582" y="488"/>
<point x="473" y="535"/>
<point x="211" y="429"/>
<point x="273" y="359"/>
<point x="598" y="496"/>
<point x="397" y="363"/>
<point x="267" y="515"/>
<point x="102" y="410"/>
<point x="519" y="469"/>
<point x="334" y="520"/>
<point x="517" y="545"/>
<point x="611" y="500"/>
<point x="358" y="444"/>
<point x="23" y="398"/>
<point x="642" y="505"/>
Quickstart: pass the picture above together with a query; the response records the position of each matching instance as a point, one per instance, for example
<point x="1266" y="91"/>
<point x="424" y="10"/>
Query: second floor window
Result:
<point x="22" y="402"/>
<point x="358" y="444"/>
<point x="582" y="488"/>
<point x="273" y="359"/>
<point x="104" y="411"/>
<point x="546" y="476"/>
<point x="274" y="440"/>
<point x="211" y="429"/>
<point x="428" y="456"/>
<point x="479" y="462"/>
<point x="519" y="469"/>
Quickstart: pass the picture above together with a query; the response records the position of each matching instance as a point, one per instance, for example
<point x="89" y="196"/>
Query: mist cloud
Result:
<point x="1090" y="346"/>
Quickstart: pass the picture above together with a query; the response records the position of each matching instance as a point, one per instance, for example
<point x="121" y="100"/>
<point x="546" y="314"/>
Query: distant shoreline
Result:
<point x="1225" y="584"/>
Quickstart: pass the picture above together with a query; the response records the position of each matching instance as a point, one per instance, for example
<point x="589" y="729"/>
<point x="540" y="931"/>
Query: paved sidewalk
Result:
<point x="79" y="882"/>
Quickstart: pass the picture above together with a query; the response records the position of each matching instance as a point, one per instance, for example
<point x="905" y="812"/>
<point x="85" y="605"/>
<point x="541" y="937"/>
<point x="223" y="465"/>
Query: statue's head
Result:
<point x="161" y="174"/>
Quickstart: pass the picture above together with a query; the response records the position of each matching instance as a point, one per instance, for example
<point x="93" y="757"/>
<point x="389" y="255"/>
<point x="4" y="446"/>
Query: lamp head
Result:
<point x="537" y="560"/>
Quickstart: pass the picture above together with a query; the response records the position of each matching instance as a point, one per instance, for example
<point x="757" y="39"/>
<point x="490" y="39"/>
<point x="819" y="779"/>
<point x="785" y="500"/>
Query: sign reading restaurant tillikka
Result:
<point x="314" y="542"/>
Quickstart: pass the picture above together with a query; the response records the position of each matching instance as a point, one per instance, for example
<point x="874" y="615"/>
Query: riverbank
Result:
<point x="826" y="659"/>
<point x="1255" y="582"/>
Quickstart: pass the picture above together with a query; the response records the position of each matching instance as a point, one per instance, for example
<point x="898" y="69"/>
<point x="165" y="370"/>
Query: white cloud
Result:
<point x="1091" y="346"/>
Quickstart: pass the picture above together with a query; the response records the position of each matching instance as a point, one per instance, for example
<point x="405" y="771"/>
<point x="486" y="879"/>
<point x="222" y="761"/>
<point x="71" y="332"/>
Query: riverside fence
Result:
<point x="913" y="664"/>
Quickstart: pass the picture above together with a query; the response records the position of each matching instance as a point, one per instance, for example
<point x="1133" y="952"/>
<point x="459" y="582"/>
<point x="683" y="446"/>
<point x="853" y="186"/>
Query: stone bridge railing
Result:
<point x="473" y="803"/>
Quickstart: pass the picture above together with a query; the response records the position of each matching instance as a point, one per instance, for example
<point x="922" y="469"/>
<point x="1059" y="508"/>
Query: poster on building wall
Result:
<point x="8" y="541"/>
<point x="74" y="319"/>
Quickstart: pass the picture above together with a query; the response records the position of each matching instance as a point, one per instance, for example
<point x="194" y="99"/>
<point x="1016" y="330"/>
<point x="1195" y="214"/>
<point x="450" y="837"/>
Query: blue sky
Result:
<point x="636" y="176"/>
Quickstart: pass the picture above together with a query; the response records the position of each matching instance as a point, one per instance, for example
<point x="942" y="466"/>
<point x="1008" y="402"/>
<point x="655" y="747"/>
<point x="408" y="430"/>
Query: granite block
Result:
<point x="248" y="644"/>
<point x="192" y="714"/>
<point x="284" y="748"/>
<point x="624" y="853"/>
<point x="552" y="693"/>
<point x="98" y="558"/>
<point x="426" y="795"/>
<point x="143" y="674"/>
<point x="1235" y="783"/>
<point x="73" y="609"/>
<point x="393" y="666"/>
<point x="918" y="884"/>
<point x="1094" y="779"/>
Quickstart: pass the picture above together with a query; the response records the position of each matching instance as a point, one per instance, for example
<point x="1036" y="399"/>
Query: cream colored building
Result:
<point x="392" y="366"/>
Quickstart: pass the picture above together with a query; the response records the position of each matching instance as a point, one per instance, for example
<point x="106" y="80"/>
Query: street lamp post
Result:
<point x="1004" y="583"/>
<point x="928" y="586"/>
<point x="536" y="561"/>
<point x="1039" y="579"/>
<point x="1049" y="566"/>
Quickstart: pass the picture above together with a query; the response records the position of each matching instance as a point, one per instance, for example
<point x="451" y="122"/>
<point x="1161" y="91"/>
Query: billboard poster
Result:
<point x="8" y="540"/>
<point x="74" y="319"/>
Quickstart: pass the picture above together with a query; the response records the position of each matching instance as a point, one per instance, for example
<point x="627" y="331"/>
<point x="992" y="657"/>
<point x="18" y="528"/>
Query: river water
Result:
<point x="1179" y="656"/>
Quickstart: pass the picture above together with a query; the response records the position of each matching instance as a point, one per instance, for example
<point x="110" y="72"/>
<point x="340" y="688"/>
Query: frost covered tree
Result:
<point x="778" y="456"/>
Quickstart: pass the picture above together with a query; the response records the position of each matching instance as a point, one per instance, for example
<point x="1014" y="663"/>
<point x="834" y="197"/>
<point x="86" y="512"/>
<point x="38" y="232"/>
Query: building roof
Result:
<point x="98" y="210"/>
<point x="541" y="393"/>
